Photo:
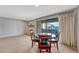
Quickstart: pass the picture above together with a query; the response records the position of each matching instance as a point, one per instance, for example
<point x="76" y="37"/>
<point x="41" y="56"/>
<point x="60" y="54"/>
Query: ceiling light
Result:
<point x="36" y="5"/>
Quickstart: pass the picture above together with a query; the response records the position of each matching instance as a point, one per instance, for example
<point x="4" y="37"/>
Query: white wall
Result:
<point x="11" y="27"/>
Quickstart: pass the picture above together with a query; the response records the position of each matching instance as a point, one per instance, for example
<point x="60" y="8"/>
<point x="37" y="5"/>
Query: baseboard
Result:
<point x="6" y="36"/>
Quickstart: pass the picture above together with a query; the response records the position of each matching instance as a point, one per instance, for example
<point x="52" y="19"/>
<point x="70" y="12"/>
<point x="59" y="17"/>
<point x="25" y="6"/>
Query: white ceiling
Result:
<point x="29" y="12"/>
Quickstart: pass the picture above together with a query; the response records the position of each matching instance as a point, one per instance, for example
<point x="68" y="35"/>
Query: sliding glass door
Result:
<point x="50" y="26"/>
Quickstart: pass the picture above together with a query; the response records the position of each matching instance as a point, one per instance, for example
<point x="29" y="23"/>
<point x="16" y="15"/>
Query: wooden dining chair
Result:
<point x="55" y="40"/>
<point x="34" y="39"/>
<point x="44" y="43"/>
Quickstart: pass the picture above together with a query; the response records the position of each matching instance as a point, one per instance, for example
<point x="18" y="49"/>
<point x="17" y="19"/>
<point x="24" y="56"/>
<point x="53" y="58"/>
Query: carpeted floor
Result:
<point x="22" y="44"/>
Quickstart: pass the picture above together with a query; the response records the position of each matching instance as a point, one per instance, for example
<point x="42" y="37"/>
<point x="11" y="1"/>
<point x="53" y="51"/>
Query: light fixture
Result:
<point x="36" y="5"/>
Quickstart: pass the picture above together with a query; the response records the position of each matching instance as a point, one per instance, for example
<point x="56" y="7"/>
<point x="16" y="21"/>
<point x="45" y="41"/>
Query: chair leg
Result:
<point x="32" y="43"/>
<point x="40" y="50"/>
<point x="50" y="50"/>
<point x="57" y="45"/>
<point x="47" y="50"/>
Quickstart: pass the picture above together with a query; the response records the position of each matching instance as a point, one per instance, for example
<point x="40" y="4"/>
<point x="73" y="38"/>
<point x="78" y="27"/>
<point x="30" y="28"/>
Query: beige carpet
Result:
<point x="22" y="44"/>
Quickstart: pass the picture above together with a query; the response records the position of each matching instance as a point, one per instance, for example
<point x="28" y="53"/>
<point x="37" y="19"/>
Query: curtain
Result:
<point x="67" y="28"/>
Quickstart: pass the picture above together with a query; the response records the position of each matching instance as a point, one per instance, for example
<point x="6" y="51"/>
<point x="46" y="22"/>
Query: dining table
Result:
<point x="49" y="34"/>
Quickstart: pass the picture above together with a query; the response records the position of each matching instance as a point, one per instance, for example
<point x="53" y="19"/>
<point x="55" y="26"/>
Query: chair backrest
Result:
<point x="44" y="37"/>
<point x="57" y="36"/>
